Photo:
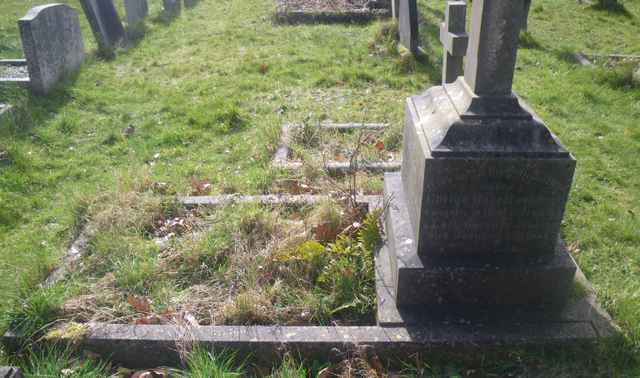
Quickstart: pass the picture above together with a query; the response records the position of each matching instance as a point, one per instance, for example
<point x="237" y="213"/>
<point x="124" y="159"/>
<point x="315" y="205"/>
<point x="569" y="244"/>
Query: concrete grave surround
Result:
<point x="475" y="222"/>
<point x="454" y="39"/>
<point x="396" y="335"/>
<point x="281" y="156"/>
<point x="52" y="43"/>
<point x="408" y="25"/>
<point x="137" y="11"/>
<point x="105" y="22"/>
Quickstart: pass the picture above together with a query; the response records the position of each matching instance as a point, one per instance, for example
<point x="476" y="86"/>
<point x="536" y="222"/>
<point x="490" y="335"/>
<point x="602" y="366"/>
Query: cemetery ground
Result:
<point x="197" y="106"/>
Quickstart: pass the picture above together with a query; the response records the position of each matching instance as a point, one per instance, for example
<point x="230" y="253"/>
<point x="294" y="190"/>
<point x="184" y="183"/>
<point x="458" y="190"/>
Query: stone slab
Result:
<point x="421" y="279"/>
<point x="408" y="25"/>
<point x="52" y="43"/>
<point x="281" y="156"/>
<point x="580" y="313"/>
<point x="105" y="23"/>
<point x="10" y="372"/>
<point x="14" y="71"/>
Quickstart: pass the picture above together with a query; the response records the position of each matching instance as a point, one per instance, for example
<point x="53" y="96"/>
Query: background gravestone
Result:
<point x="190" y="3"/>
<point x="137" y="11"/>
<point x="408" y="25"/>
<point x="483" y="187"/>
<point x="172" y="8"/>
<point x="105" y="23"/>
<point x="52" y="44"/>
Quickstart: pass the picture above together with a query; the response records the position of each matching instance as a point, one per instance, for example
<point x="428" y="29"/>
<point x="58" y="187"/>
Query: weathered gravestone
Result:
<point x="52" y="44"/>
<point x="525" y="17"/>
<point x="477" y="207"/>
<point x="408" y="25"/>
<point x="172" y="8"/>
<point x="395" y="8"/>
<point x="190" y="3"/>
<point x="105" y="23"/>
<point x="137" y="11"/>
<point x="454" y="39"/>
<point x="10" y="372"/>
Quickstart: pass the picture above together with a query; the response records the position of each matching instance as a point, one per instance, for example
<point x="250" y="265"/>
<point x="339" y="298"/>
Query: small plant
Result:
<point x="308" y="134"/>
<point x="207" y="364"/>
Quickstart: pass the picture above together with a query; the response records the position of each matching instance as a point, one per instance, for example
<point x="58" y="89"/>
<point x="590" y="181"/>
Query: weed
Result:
<point x="56" y="361"/>
<point x="207" y="364"/>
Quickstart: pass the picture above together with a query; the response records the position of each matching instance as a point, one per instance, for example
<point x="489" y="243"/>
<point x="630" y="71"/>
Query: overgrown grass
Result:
<point x="207" y="94"/>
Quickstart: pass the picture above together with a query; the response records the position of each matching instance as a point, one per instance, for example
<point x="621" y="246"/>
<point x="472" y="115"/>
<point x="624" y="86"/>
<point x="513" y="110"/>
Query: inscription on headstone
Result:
<point x="454" y="39"/>
<point x="105" y="23"/>
<point x="52" y="44"/>
<point x="408" y="25"/>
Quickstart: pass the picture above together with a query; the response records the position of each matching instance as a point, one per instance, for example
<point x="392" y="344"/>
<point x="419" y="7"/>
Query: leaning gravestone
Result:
<point x="477" y="207"/>
<point x="105" y="23"/>
<point x="454" y="39"/>
<point x="137" y="11"/>
<point x="408" y="25"/>
<point x="525" y="16"/>
<point x="52" y="44"/>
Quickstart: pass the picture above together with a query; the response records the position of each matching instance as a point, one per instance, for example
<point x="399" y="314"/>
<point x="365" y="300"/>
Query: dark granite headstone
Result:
<point x="454" y="39"/>
<point x="105" y="23"/>
<point x="483" y="185"/>
<point x="52" y="44"/>
<point x="408" y="25"/>
<point x="172" y="8"/>
<point x="137" y="11"/>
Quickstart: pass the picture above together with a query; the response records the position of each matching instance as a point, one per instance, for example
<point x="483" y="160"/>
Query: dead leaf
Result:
<point x="380" y="146"/>
<point x="325" y="373"/>
<point x="264" y="68"/>
<point x="150" y="374"/>
<point x="200" y="187"/>
<point x="140" y="304"/>
<point x="326" y="232"/>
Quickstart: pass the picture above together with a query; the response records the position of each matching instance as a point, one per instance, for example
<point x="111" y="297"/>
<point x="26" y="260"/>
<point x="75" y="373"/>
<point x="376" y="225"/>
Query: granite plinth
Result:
<point x="542" y="281"/>
<point x="482" y="186"/>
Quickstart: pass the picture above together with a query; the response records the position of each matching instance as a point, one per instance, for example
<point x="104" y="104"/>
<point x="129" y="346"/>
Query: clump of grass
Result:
<point x="206" y="364"/>
<point x="618" y="77"/>
<point x="385" y="40"/>
<point x="34" y="311"/>
<point x="56" y="361"/>
<point x="308" y="134"/>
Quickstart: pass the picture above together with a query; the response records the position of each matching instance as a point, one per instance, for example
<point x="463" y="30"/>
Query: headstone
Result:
<point x="190" y="3"/>
<point x="525" y="17"/>
<point x="172" y="8"/>
<point x="395" y="9"/>
<point x="137" y="11"/>
<point x="408" y="25"/>
<point x="10" y="372"/>
<point x="454" y="39"/>
<point x="105" y="23"/>
<point x="52" y="44"/>
<point x="478" y="204"/>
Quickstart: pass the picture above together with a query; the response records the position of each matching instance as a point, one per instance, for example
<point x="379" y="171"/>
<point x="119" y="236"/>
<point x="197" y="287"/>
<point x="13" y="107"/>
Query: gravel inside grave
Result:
<point x="8" y="71"/>
<point x="332" y="5"/>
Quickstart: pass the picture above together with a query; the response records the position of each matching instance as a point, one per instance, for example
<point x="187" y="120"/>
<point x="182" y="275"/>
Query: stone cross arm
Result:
<point x="454" y="39"/>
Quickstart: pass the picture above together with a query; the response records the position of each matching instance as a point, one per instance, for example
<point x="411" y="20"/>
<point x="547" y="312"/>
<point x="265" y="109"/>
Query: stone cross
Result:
<point x="493" y="46"/>
<point x="454" y="39"/>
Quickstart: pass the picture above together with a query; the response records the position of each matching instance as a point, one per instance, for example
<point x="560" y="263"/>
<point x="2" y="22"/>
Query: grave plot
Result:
<point x="340" y="148"/>
<point x="223" y="260"/>
<point x="301" y="11"/>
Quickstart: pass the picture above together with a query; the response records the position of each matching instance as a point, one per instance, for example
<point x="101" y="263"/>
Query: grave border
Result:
<point x="284" y="16"/>
<point x="24" y="81"/>
<point x="146" y="346"/>
<point x="281" y="156"/>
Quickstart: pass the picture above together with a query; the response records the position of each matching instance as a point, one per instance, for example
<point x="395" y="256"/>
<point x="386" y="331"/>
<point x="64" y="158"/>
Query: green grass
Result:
<point x="208" y="93"/>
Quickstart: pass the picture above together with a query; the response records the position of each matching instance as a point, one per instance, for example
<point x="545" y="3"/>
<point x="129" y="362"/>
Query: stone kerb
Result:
<point x="52" y="43"/>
